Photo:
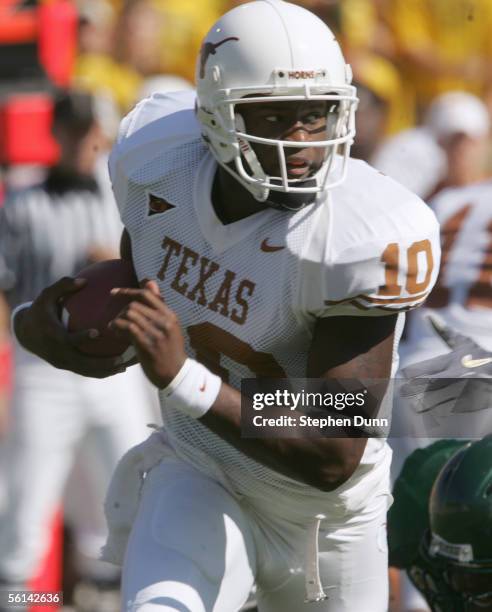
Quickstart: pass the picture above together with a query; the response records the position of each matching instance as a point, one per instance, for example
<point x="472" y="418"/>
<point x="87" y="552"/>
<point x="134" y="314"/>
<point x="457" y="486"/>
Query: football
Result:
<point x="94" y="307"/>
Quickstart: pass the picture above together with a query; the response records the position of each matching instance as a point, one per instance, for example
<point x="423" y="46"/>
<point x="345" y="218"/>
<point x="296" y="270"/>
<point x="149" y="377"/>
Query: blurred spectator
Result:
<point x="184" y="25"/>
<point x="96" y="69"/>
<point x="371" y="120"/>
<point x="120" y="50"/>
<point x="139" y="35"/>
<point x="380" y="94"/>
<point x="450" y="149"/>
<point x="96" y="27"/>
<point x="443" y="45"/>
<point x="460" y="123"/>
<point x="49" y="231"/>
<point x="364" y="29"/>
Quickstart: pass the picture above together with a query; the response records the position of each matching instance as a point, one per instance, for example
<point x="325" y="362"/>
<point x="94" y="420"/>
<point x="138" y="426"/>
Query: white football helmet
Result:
<point x="273" y="51"/>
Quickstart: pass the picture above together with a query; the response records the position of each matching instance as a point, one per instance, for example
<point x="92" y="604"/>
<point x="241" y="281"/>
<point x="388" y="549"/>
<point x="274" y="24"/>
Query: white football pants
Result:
<point x="194" y="548"/>
<point x="52" y="410"/>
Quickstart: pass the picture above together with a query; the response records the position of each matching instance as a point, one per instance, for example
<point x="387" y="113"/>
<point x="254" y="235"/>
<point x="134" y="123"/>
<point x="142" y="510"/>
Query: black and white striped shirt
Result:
<point x="47" y="231"/>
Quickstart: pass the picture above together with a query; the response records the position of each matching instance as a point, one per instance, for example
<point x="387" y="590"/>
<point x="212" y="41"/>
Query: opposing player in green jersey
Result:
<point x="440" y="526"/>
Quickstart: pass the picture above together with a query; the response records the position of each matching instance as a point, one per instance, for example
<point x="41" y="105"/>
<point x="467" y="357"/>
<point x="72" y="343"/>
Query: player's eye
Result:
<point x="313" y="117"/>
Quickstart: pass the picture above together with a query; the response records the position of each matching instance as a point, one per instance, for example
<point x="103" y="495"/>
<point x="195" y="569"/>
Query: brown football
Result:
<point x="94" y="307"/>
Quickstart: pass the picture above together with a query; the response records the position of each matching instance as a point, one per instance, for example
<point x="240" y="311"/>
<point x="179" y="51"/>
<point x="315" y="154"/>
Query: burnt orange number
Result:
<point x="210" y="342"/>
<point x="391" y="260"/>
<point x="412" y="286"/>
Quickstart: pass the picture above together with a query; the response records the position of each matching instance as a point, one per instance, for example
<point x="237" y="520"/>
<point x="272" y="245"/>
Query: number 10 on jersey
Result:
<point x="415" y="254"/>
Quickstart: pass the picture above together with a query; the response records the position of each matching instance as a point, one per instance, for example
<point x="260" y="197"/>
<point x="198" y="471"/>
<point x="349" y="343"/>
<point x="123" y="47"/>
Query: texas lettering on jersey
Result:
<point x="230" y="300"/>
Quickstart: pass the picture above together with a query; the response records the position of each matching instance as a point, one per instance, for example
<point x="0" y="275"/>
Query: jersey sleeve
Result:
<point x="377" y="261"/>
<point x="154" y="123"/>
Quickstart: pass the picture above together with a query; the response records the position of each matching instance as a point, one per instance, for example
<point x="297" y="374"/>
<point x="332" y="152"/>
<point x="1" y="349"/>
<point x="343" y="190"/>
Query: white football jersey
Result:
<point x="462" y="297"/>
<point x="248" y="294"/>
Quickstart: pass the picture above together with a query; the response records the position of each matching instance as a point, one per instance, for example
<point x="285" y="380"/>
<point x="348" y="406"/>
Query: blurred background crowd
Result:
<point x="69" y="71"/>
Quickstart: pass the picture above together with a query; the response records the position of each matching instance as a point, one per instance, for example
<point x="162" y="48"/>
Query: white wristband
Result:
<point x="194" y="389"/>
<point x="16" y="310"/>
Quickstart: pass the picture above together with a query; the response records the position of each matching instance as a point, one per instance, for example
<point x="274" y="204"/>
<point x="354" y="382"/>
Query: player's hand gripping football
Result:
<point x="155" y="332"/>
<point x="40" y="331"/>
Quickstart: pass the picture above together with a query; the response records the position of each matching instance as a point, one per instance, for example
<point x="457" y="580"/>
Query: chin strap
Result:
<point x="259" y="192"/>
<point x="291" y="201"/>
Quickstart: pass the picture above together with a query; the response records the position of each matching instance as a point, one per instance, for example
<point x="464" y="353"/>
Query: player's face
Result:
<point x="478" y="587"/>
<point x="296" y="121"/>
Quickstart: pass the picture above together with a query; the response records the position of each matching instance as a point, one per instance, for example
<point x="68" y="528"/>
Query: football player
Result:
<point x="462" y="297"/>
<point x="263" y="261"/>
<point x="462" y="301"/>
<point x="440" y="525"/>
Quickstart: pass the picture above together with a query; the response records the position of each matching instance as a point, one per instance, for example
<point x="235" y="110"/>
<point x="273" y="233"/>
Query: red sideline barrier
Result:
<point x="49" y="576"/>
<point x="18" y="23"/>
<point x="25" y="130"/>
<point x="5" y="366"/>
<point x="53" y="25"/>
<point x="58" y="24"/>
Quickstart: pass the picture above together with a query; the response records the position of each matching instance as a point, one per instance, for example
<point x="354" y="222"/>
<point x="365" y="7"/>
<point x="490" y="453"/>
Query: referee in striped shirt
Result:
<point x="47" y="232"/>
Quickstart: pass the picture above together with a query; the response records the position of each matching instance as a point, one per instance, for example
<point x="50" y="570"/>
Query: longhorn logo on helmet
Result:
<point x="209" y="49"/>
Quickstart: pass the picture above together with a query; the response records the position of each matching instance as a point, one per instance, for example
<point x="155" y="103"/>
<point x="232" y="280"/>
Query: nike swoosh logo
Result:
<point x="468" y="362"/>
<point x="268" y="248"/>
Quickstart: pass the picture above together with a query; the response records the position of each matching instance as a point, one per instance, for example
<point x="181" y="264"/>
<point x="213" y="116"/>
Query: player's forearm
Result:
<point x="324" y="463"/>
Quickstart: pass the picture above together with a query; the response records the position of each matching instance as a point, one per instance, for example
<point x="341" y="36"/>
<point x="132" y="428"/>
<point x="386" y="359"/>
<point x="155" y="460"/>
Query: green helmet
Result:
<point x="460" y="508"/>
<point x="408" y="517"/>
<point x="459" y="543"/>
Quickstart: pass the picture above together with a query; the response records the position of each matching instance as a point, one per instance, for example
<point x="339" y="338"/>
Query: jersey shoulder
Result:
<point x="380" y="251"/>
<point x="370" y="204"/>
<point x="158" y="117"/>
<point x="147" y="138"/>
